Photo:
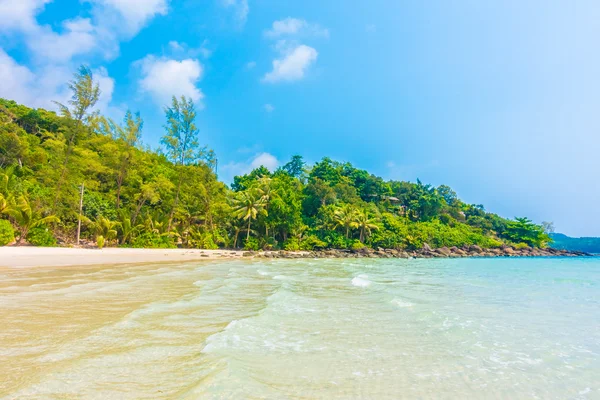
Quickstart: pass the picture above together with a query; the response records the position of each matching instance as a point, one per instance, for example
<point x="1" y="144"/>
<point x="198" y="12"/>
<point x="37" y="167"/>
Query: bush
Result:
<point x="336" y="240"/>
<point x="357" y="245"/>
<point x="41" y="236"/>
<point x="311" y="243"/>
<point x="251" y="244"/>
<point x="203" y="241"/>
<point x="268" y="244"/>
<point x="520" y="246"/>
<point x="150" y="240"/>
<point x="100" y="242"/>
<point x="7" y="233"/>
<point x="291" y="245"/>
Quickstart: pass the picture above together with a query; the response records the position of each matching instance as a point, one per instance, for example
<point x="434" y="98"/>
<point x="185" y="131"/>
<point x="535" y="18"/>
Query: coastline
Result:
<point x="31" y="257"/>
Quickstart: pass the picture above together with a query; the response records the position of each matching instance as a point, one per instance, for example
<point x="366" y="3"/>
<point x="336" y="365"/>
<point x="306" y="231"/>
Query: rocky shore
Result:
<point x="425" y="252"/>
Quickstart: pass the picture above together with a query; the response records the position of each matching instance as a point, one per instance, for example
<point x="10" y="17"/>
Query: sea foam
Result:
<point x="361" y="281"/>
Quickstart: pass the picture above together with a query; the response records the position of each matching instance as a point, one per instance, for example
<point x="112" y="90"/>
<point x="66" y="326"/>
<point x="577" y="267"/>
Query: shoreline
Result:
<point x="32" y="257"/>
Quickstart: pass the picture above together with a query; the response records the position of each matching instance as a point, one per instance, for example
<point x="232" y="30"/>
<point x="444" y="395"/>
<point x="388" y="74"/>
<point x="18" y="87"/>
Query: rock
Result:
<point x="460" y="252"/>
<point x="247" y="254"/>
<point x="474" y="248"/>
<point x="443" y="251"/>
<point x="426" y="247"/>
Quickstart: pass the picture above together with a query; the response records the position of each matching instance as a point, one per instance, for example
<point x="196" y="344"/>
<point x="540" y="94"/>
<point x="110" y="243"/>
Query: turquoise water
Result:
<point x="302" y="329"/>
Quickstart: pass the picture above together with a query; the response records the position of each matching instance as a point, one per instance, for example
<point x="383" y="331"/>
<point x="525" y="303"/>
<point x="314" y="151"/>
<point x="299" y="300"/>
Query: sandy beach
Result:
<point x="23" y="257"/>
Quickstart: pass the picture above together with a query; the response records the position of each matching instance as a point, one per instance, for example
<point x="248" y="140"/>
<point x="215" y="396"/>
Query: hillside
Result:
<point x="137" y="197"/>
<point x="585" y="244"/>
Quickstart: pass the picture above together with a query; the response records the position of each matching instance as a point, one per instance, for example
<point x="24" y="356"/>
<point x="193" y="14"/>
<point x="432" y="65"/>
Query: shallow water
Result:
<point x="304" y="329"/>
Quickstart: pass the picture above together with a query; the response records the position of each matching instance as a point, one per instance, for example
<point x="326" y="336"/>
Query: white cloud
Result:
<point x="240" y="9"/>
<point x="16" y="79"/>
<point x="183" y="48"/>
<point x="79" y="37"/>
<point x="251" y="64"/>
<point x="175" y="46"/>
<point x="294" y="26"/>
<point x="41" y="88"/>
<point x="20" y="14"/>
<point x="293" y="64"/>
<point x="269" y="108"/>
<point x="266" y="160"/>
<point x="111" y="21"/>
<point x="228" y="171"/>
<point x="107" y="87"/>
<point x="128" y="17"/>
<point x="163" y="78"/>
<point x="55" y="52"/>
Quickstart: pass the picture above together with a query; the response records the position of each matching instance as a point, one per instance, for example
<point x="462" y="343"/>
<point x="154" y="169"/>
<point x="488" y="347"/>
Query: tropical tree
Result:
<point x="4" y="204"/>
<point x="267" y="193"/>
<point x="346" y="218"/>
<point x="85" y="93"/>
<point x="126" y="227"/>
<point x="129" y="135"/>
<point x="104" y="229"/>
<point x="523" y="230"/>
<point x="296" y="167"/>
<point x="181" y="141"/>
<point x="27" y="218"/>
<point x="365" y="224"/>
<point x="248" y="205"/>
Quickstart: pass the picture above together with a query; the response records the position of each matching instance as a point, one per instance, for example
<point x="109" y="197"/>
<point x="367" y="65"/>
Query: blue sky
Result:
<point x="498" y="99"/>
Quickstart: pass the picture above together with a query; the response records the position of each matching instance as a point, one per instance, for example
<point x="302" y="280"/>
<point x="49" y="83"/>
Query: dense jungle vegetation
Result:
<point x="137" y="197"/>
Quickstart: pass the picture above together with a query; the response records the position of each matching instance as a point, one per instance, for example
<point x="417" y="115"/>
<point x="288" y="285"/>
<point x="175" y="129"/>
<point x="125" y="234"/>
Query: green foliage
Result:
<point x="586" y="244"/>
<point x="522" y="230"/>
<point x="100" y="241"/>
<point x="41" y="236"/>
<point x="357" y="245"/>
<point x="251" y="244"/>
<point x="312" y="242"/>
<point x="171" y="197"/>
<point x="152" y="240"/>
<point x="292" y="245"/>
<point x="7" y="234"/>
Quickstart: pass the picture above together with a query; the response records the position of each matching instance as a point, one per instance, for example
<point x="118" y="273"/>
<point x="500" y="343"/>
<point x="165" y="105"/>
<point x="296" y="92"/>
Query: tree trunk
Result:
<point x="235" y="238"/>
<point x="248" y="233"/>
<point x="175" y="204"/>
<point x="62" y="176"/>
<point x="347" y="232"/>
<point x="137" y="210"/>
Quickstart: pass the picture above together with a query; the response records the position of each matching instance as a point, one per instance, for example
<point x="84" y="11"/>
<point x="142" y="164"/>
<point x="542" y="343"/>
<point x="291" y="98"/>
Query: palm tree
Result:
<point x="4" y="204"/>
<point x="345" y="217"/>
<point x="104" y="229"/>
<point x="26" y="218"/>
<point x="249" y="206"/>
<point x="365" y="224"/>
<point x="267" y="193"/>
<point x="126" y="227"/>
<point x="234" y="225"/>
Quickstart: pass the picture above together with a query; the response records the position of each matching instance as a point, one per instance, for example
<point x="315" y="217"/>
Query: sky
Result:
<point x="498" y="99"/>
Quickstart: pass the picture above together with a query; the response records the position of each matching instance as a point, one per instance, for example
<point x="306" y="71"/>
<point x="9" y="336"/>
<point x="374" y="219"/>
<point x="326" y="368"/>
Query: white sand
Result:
<point x="21" y="257"/>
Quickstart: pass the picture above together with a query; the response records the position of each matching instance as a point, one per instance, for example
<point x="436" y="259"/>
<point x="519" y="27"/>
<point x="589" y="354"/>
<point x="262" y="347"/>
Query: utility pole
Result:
<point x="80" y="212"/>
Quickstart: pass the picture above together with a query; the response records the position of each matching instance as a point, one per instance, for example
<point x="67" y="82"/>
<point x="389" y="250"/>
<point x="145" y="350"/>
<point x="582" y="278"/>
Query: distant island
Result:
<point x="585" y="244"/>
<point x="77" y="177"/>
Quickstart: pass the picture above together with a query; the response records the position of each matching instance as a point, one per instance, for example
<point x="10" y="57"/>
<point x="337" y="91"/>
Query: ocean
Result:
<point x="501" y="328"/>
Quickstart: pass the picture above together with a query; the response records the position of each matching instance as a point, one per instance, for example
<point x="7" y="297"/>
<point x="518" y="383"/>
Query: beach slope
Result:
<point x="22" y="257"/>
